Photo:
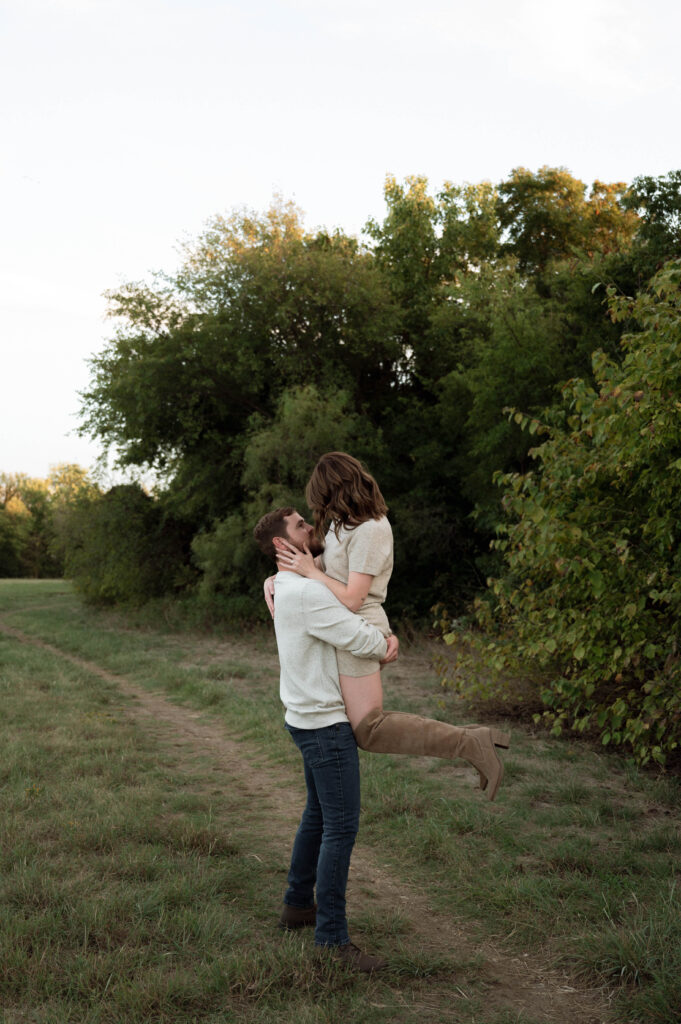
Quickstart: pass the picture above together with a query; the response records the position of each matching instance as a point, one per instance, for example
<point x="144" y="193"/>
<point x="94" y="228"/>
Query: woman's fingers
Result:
<point x="268" y="588"/>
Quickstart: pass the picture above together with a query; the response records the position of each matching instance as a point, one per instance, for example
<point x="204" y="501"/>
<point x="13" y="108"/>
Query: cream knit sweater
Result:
<point x="310" y="623"/>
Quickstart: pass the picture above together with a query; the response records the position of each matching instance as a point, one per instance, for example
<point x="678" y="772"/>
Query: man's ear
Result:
<point x="279" y="544"/>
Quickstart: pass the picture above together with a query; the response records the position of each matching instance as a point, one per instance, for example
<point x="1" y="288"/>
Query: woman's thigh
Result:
<point x="361" y="694"/>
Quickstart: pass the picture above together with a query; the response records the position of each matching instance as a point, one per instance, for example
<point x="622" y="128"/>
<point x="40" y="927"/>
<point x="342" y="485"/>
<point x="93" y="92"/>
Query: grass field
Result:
<point x="149" y="797"/>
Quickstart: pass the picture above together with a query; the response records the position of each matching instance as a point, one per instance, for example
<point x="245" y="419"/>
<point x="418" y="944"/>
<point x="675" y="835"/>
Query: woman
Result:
<point x="356" y="566"/>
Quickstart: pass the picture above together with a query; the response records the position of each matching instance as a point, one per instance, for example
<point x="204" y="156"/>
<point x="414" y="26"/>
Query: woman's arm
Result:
<point x="268" y="588"/>
<point x="352" y="594"/>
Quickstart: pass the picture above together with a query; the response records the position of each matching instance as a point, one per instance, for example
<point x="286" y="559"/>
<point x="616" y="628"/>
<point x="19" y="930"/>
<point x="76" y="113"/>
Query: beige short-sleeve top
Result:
<point x="366" y="548"/>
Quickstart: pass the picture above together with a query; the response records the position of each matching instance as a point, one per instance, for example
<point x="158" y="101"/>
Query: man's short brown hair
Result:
<point x="271" y="525"/>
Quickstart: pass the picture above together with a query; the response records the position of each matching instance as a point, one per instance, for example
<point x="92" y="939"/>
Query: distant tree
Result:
<point x="38" y="559"/>
<point x="122" y="547"/>
<point x="25" y="503"/>
<point x="12" y="542"/>
<point x="70" y="488"/>
<point x="33" y="513"/>
<point x="10" y="487"/>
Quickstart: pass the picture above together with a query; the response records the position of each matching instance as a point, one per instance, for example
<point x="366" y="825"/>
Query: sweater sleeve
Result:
<point x="328" y="620"/>
<point x="370" y="547"/>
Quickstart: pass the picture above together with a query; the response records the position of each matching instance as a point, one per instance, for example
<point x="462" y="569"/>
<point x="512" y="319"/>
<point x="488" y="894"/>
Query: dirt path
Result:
<point x="519" y="985"/>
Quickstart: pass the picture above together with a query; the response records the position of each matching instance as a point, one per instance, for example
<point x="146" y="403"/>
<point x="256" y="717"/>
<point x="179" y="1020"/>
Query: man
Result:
<point x="310" y="624"/>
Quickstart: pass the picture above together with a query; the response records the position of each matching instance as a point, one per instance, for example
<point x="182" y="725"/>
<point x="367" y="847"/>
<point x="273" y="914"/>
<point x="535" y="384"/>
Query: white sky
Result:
<point x="127" y="123"/>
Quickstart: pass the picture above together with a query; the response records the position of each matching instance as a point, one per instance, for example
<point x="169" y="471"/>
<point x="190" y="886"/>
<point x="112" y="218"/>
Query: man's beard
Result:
<point x="315" y="546"/>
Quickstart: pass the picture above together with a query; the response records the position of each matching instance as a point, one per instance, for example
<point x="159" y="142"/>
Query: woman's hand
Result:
<point x="268" y="587"/>
<point x="294" y="560"/>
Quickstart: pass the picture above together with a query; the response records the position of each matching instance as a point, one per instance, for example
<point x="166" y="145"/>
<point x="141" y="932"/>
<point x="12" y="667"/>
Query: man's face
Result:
<point x="301" y="533"/>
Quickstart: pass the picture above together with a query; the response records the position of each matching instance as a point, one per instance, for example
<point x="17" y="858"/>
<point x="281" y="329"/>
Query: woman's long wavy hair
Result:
<point x="341" y="491"/>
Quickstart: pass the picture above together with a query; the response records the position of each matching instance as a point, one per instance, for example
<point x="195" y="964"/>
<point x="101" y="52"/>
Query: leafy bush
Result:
<point x="120" y="546"/>
<point x="590" y="595"/>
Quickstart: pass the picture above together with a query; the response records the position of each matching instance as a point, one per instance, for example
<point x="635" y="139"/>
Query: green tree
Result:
<point x="37" y="555"/>
<point x="425" y="243"/>
<point x="12" y="541"/>
<point x="547" y="216"/>
<point x="278" y="459"/>
<point x="28" y="509"/>
<point x="258" y="306"/>
<point x="591" y="591"/>
<point x="657" y="203"/>
<point x="70" y="488"/>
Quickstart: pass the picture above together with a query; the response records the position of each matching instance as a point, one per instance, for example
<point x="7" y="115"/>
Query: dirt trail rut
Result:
<point x="517" y="984"/>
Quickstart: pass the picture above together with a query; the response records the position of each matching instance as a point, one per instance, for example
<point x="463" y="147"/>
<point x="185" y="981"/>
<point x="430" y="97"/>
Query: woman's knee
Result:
<point x="365" y="730"/>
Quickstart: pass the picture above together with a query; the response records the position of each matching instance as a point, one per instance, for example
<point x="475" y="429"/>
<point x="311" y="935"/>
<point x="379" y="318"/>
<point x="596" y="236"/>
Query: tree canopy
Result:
<point x="271" y="343"/>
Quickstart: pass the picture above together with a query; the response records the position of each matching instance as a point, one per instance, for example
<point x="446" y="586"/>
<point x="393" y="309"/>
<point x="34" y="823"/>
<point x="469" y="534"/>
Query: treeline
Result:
<point x="36" y="519"/>
<point x="272" y="344"/>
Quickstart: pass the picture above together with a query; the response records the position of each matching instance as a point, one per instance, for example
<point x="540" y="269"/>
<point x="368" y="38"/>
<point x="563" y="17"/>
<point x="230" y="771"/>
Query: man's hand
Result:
<point x="393" y="648"/>
<point x="268" y="587"/>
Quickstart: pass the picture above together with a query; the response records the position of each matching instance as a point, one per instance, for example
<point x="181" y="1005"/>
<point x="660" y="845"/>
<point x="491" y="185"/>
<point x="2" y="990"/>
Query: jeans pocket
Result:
<point x="310" y="745"/>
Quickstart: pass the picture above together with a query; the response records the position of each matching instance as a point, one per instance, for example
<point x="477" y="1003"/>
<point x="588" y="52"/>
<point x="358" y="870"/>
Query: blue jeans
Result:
<point x="328" y="827"/>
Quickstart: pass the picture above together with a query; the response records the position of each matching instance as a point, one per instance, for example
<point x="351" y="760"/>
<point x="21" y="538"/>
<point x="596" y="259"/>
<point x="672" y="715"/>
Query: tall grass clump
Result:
<point x="638" y="951"/>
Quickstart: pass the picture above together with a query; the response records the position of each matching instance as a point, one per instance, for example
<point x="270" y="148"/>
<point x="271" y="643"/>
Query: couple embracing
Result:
<point x="330" y="684"/>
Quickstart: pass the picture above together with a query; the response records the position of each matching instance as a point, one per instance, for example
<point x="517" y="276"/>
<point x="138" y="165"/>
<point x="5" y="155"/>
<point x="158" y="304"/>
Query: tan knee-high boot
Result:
<point x="393" y="732"/>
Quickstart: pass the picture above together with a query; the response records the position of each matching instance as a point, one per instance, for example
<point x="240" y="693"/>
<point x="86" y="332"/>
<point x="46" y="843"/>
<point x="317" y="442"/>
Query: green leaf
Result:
<point x="597" y="581"/>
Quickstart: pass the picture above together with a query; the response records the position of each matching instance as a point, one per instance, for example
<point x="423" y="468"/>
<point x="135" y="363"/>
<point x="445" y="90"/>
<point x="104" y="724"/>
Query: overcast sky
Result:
<point x="126" y="124"/>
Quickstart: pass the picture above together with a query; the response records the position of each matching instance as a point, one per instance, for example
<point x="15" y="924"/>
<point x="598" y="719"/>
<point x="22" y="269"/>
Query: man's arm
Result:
<point x="328" y="620"/>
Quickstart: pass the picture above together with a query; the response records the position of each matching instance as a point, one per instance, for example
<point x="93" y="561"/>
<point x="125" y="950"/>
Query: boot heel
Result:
<point x="500" y="739"/>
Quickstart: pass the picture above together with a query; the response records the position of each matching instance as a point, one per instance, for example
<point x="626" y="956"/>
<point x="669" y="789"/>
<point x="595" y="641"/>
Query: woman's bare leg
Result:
<point x="361" y="695"/>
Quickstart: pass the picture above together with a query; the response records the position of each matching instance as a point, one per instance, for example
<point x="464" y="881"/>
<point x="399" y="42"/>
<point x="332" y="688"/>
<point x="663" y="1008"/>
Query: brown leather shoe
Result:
<point x="297" y="917"/>
<point x="355" y="960"/>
